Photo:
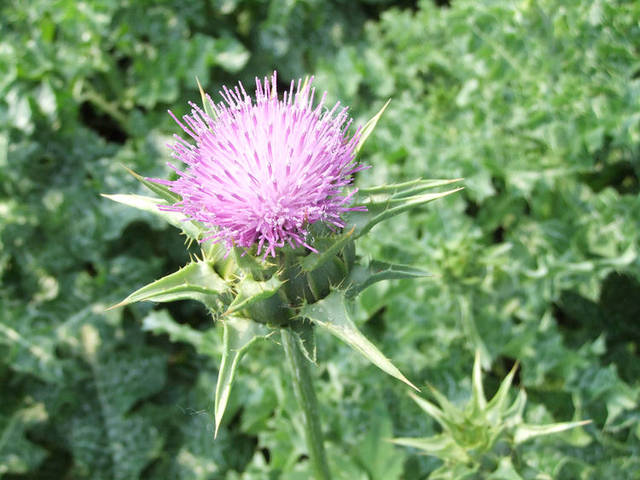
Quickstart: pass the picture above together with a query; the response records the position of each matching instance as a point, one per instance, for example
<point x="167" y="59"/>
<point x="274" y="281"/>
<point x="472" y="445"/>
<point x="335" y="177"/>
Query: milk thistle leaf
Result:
<point x="479" y="429"/>
<point x="17" y="453"/>
<point x="441" y="446"/>
<point x="370" y="126"/>
<point x="161" y="190"/>
<point x="196" y="281"/>
<point x="307" y="339"/>
<point x="315" y="260"/>
<point x="160" y="322"/>
<point x="238" y="335"/>
<point x="247" y="263"/>
<point x="410" y="187"/>
<point x="207" y="103"/>
<point x="496" y="404"/>
<point x="525" y="432"/>
<point x="362" y="277"/>
<point x="251" y="291"/>
<point x="381" y="203"/>
<point x="331" y="314"/>
<point x="260" y="171"/>
<point x="432" y="410"/>
<point x="478" y="399"/>
<point x="150" y="204"/>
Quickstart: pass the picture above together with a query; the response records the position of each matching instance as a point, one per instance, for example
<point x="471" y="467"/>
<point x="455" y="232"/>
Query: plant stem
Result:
<point x="306" y="396"/>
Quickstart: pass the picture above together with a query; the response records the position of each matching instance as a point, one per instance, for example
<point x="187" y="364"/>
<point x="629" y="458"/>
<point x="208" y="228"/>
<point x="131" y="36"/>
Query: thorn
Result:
<point x="120" y="304"/>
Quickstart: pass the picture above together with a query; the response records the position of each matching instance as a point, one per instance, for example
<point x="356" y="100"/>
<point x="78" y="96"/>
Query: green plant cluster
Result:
<point x="535" y="104"/>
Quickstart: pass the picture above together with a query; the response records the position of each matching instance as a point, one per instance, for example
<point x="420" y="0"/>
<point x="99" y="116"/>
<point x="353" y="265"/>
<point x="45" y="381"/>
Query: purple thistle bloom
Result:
<point x="261" y="172"/>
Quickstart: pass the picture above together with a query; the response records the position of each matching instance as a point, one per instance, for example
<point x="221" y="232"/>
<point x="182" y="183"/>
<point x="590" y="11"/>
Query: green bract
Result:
<point x="297" y="290"/>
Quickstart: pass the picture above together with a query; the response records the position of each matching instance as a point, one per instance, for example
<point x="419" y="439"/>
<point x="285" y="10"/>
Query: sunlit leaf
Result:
<point x="206" y="102"/>
<point x="478" y="399"/>
<point x="151" y="205"/>
<point x="497" y="403"/>
<point x="370" y="126"/>
<point x="196" y="281"/>
<point x="441" y="446"/>
<point x="432" y="410"/>
<point x="526" y="432"/>
<point x="380" y="207"/>
<point x="331" y="314"/>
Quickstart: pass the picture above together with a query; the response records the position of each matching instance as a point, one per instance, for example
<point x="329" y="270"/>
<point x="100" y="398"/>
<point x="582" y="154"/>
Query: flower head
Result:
<point x="260" y="172"/>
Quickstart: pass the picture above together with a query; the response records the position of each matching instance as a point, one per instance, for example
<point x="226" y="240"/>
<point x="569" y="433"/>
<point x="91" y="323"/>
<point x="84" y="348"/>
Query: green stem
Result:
<point x="306" y="396"/>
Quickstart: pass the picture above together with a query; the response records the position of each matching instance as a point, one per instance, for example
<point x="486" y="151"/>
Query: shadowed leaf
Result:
<point x="160" y="322"/>
<point x="316" y="260"/>
<point x="17" y="453"/>
<point x="251" y="291"/>
<point x="239" y="334"/>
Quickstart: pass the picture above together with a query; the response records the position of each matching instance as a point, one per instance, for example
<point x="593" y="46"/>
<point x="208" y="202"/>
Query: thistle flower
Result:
<point x="261" y="172"/>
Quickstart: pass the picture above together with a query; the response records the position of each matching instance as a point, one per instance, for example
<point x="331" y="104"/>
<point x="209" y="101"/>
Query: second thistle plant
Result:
<point x="477" y="440"/>
<point x="264" y="188"/>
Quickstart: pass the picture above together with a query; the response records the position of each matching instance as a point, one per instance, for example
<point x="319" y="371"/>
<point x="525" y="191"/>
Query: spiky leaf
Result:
<point x="207" y="103"/>
<point x="251" y="291"/>
<point x="307" y="339"/>
<point x="432" y="410"/>
<point x="315" y="260"/>
<point x="239" y="334"/>
<point x="478" y="399"/>
<point x="389" y="200"/>
<point x="161" y="190"/>
<point x="331" y="314"/>
<point x="370" y="126"/>
<point x="441" y="446"/>
<point x="362" y="277"/>
<point x="525" y="432"/>
<point x="196" y="281"/>
<point x="497" y="404"/>
<point x="151" y="205"/>
<point x="411" y="187"/>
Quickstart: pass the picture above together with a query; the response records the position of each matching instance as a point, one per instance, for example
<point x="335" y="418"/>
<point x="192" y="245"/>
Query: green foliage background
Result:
<point x="535" y="103"/>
